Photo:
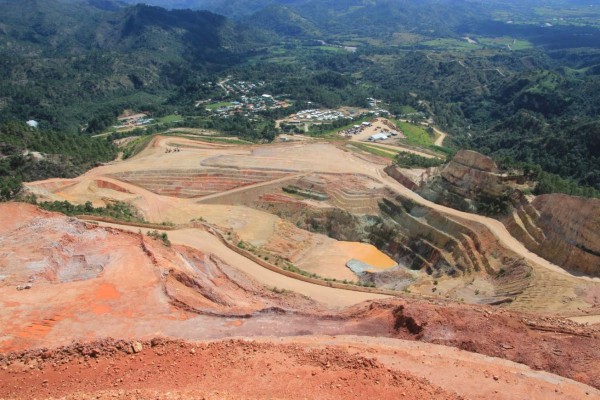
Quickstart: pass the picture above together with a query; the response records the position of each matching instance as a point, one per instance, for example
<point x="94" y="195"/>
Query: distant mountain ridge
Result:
<point x="57" y="52"/>
<point x="291" y="17"/>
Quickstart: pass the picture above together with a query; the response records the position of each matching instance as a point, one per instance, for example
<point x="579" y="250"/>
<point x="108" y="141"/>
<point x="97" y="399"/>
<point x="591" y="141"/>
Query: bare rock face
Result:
<point x="472" y="174"/>
<point x="475" y="160"/>
<point x="470" y="182"/>
<point x="563" y="229"/>
<point x="560" y="228"/>
<point x="424" y="239"/>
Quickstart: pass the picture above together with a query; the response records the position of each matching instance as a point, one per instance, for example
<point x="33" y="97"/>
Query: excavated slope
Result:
<point x="563" y="229"/>
<point x="467" y="183"/>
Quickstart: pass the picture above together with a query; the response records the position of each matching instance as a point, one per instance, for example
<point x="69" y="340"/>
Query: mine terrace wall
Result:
<point x="393" y="171"/>
<point x="563" y="229"/>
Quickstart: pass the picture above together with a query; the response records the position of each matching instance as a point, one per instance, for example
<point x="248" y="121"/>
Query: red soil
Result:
<point x="221" y="370"/>
<point x="144" y="289"/>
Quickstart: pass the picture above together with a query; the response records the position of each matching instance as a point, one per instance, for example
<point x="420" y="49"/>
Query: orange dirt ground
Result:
<point x="146" y="289"/>
<point x="304" y="368"/>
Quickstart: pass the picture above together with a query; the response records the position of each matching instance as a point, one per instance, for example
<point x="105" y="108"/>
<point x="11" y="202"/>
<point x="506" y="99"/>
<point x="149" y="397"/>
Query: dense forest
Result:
<point x="525" y="91"/>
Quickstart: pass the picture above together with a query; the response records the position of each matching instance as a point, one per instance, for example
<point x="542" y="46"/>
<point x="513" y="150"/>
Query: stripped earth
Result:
<point x="335" y="279"/>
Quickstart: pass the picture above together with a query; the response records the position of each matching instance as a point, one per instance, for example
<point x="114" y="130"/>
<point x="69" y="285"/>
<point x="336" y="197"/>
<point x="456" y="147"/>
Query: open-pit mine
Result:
<point x="338" y="274"/>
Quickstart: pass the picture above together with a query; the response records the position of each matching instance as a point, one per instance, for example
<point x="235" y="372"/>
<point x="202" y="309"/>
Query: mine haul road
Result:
<point x="208" y="243"/>
<point x="440" y="139"/>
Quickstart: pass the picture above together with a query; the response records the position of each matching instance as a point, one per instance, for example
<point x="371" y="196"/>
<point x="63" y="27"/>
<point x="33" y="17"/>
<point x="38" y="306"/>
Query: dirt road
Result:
<point x="204" y="241"/>
<point x="441" y="137"/>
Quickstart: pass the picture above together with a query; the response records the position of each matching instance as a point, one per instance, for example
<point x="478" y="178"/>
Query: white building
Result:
<point x="379" y="136"/>
<point x="32" y="123"/>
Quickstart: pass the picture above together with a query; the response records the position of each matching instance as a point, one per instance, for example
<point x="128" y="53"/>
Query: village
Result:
<point x="247" y="105"/>
<point x="240" y="87"/>
<point x="245" y="98"/>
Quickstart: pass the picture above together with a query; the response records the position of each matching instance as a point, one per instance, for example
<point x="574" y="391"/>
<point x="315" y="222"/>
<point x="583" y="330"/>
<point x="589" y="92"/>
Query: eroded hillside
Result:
<point x="563" y="229"/>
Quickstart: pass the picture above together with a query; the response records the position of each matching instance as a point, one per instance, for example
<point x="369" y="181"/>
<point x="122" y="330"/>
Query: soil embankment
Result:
<point x="294" y="368"/>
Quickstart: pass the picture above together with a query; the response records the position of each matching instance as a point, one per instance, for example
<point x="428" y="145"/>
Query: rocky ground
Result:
<point x="221" y="370"/>
<point x="312" y="367"/>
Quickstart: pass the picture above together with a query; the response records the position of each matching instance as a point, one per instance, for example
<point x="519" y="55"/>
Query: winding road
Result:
<point x="440" y="139"/>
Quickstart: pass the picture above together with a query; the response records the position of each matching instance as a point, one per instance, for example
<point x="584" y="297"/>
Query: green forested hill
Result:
<point x="515" y="106"/>
<point x="283" y="21"/>
<point x="64" y="62"/>
<point x="522" y="89"/>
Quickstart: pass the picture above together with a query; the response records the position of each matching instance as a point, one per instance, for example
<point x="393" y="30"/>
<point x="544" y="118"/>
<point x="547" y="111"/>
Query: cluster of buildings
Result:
<point x="250" y="104"/>
<point x="241" y="87"/>
<point x="318" y="115"/>
<point x="128" y="121"/>
<point x="355" y="130"/>
<point x="375" y="109"/>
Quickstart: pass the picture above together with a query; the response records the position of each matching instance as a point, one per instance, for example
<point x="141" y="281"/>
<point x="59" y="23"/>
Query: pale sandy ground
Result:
<point x="253" y="225"/>
<point x="328" y="257"/>
<point x="587" y="319"/>
<point x="295" y="157"/>
<point x="439" y="141"/>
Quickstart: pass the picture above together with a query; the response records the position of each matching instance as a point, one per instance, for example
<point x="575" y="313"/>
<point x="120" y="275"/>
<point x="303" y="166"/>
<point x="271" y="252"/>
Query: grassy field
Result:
<point x="450" y="44"/>
<point x="330" y="48"/>
<point x="416" y="135"/>
<point x="219" y="140"/>
<point x="504" y="42"/>
<point x="482" y="42"/>
<point x="214" y="106"/>
<point x="210" y="139"/>
<point x="390" y="154"/>
<point x="407" y="110"/>
<point x="170" y="118"/>
<point x="136" y="146"/>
